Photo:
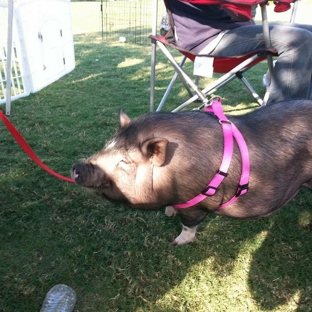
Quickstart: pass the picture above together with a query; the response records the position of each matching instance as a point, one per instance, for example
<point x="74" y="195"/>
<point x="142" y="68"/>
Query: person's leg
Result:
<point x="293" y="69"/>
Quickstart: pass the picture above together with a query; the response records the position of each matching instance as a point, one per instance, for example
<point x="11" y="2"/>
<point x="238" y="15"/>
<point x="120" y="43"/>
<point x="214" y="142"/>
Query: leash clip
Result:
<point x="207" y="103"/>
<point x="225" y="122"/>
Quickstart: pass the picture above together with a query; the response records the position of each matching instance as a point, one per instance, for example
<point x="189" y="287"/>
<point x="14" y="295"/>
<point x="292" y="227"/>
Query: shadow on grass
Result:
<point x="281" y="269"/>
<point x="130" y="265"/>
<point x="119" y="259"/>
<point x="139" y="262"/>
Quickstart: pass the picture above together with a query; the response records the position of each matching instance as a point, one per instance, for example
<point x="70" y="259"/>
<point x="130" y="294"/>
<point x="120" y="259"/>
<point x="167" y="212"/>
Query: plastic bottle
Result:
<point x="60" y="298"/>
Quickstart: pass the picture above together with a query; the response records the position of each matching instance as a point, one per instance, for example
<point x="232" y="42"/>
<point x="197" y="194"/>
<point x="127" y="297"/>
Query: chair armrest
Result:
<point x="282" y="5"/>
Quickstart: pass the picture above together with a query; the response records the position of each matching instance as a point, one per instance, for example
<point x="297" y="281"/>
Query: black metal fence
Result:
<point x="129" y="20"/>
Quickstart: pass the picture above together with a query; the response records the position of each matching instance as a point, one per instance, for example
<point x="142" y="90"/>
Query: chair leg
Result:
<point x="170" y="86"/>
<point x="212" y="88"/>
<point x="266" y="97"/>
<point x="253" y="92"/>
<point x="152" y="78"/>
<point x="187" y="81"/>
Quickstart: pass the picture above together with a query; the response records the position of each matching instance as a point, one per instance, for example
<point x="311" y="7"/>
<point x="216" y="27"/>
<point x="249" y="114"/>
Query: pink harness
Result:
<point x="230" y="131"/>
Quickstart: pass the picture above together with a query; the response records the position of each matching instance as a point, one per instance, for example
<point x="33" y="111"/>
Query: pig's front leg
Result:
<point x="186" y="236"/>
<point x="190" y="219"/>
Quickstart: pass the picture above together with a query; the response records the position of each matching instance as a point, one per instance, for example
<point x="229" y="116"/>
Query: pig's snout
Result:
<point x="81" y="173"/>
<point x="88" y="175"/>
<point x="75" y="173"/>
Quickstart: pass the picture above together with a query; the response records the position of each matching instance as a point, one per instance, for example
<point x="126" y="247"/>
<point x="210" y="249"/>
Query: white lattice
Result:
<point x="42" y="45"/>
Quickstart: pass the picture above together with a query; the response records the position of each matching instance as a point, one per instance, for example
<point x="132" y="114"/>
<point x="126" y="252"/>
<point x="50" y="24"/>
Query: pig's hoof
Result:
<point x="170" y="211"/>
<point x="177" y="242"/>
<point x="174" y="243"/>
<point x="187" y="236"/>
<point x="181" y="241"/>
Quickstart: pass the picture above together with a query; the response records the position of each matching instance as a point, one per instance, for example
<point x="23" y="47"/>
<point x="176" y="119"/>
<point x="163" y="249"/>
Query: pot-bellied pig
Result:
<point x="162" y="159"/>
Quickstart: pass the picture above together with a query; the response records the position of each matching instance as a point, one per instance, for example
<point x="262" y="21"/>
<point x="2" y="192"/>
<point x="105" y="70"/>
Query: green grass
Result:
<point x="117" y="259"/>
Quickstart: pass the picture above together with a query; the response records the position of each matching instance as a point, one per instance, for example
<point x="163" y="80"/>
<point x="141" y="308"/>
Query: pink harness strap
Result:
<point x="230" y="131"/>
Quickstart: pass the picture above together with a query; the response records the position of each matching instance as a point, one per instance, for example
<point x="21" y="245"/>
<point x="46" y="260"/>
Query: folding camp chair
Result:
<point x="231" y="68"/>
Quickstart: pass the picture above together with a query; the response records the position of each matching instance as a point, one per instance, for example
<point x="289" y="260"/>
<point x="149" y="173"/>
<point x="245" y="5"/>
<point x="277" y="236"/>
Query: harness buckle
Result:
<point x="209" y="190"/>
<point x="225" y="174"/>
<point x="241" y="190"/>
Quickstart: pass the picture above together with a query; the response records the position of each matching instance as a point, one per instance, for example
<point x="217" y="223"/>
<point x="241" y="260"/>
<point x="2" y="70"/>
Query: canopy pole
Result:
<point x="9" y="58"/>
<point x="153" y="54"/>
<point x="102" y="22"/>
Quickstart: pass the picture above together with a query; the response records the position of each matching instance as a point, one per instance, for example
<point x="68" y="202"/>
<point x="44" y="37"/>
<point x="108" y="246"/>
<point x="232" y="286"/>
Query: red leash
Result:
<point x="23" y="144"/>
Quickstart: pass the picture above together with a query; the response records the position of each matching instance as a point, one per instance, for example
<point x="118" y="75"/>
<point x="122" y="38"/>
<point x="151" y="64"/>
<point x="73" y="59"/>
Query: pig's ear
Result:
<point x="123" y="118"/>
<point x="155" y="150"/>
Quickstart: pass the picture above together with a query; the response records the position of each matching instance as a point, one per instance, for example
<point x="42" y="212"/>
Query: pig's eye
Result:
<point x="124" y="164"/>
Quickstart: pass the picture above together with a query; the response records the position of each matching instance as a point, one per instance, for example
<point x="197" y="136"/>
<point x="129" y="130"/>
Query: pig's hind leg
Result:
<point x="170" y="211"/>
<point x="308" y="184"/>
